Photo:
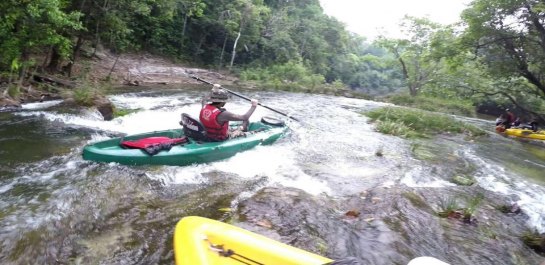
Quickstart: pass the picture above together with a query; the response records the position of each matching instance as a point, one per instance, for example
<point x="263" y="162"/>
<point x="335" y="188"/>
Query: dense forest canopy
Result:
<point x="286" y="40"/>
<point x="495" y="54"/>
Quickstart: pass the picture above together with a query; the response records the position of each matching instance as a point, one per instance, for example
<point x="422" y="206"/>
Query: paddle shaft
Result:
<point x="246" y="98"/>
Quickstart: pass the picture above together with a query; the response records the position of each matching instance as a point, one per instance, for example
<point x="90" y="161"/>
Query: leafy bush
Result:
<point x="395" y="128"/>
<point x="449" y="208"/>
<point x="435" y="104"/>
<point x="83" y="96"/>
<point x="14" y="91"/>
<point x="415" y="123"/>
<point x="291" y="76"/>
<point x="119" y="112"/>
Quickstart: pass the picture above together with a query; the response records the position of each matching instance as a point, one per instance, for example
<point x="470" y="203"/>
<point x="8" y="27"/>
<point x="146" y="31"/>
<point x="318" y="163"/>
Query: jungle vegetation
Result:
<point x="495" y="54"/>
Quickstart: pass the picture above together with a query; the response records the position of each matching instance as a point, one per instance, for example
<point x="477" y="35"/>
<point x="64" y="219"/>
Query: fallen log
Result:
<point x="43" y="78"/>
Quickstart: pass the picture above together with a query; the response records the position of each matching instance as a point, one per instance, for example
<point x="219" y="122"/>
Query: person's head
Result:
<point x="218" y="96"/>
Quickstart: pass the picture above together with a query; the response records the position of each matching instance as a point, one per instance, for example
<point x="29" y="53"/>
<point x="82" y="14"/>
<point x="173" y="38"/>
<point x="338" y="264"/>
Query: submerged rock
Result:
<point x="105" y="107"/>
<point x="101" y="103"/>
<point x="393" y="230"/>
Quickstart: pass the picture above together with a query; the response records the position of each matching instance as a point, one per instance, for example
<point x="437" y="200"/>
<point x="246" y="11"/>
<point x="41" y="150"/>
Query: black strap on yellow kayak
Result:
<point x="231" y="254"/>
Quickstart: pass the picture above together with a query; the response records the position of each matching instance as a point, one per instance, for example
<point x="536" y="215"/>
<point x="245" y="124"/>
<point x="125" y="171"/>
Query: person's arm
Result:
<point x="229" y="116"/>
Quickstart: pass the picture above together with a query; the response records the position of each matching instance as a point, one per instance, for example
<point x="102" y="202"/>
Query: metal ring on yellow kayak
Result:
<point x="272" y="121"/>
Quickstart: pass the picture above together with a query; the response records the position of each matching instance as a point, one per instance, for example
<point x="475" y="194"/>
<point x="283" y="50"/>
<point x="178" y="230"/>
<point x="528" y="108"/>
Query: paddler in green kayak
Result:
<point x="215" y="118"/>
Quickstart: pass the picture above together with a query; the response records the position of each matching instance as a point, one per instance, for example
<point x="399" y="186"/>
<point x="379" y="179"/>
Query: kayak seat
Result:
<point x="193" y="128"/>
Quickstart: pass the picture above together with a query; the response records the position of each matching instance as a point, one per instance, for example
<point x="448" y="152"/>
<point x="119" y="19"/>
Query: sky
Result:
<point x="370" y="18"/>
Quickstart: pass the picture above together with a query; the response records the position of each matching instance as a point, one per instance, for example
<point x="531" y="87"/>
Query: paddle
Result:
<point x="244" y="97"/>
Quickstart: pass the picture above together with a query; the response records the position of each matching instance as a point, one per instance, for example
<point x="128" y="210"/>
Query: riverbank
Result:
<point x="97" y="71"/>
<point x="103" y="69"/>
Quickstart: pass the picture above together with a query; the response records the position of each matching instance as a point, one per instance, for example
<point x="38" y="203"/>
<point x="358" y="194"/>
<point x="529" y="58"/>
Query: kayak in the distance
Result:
<point x="525" y="133"/>
<point x="180" y="147"/>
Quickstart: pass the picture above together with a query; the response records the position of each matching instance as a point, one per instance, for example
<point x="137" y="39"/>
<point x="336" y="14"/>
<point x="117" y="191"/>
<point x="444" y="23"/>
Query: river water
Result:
<point x="56" y="207"/>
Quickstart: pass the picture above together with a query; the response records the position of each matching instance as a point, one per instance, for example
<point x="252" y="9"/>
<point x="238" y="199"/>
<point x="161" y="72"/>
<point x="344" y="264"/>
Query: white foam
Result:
<point x="182" y="175"/>
<point x="417" y="178"/>
<point x="41" y="105"/>
<point x="495" y="178"/>
<point x="146" y="103"/>
<point x="7" y="187"/>
<point x="278" y="163"/>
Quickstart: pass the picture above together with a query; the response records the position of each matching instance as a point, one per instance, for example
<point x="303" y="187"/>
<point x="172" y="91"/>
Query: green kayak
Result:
<point x="192" y="149"/>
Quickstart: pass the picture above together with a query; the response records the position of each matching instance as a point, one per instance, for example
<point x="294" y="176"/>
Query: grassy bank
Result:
<point x="409" y="123"/>
<point x="450" y="106"/>
<point x="295" y="77"/>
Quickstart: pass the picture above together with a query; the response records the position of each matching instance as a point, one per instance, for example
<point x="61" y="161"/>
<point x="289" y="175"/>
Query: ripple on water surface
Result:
<point x="330" y="163"/>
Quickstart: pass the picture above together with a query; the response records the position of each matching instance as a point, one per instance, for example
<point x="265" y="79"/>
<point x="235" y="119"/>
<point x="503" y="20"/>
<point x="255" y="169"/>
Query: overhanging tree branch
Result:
<point x="475" y="91"/>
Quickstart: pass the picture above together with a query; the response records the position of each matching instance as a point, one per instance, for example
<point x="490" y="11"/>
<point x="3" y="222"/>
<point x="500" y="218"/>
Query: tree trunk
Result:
<point x="113" y="67"/>
<point x="201" y="42"/>
<point x="75" y="54"/>
<point x="55" y="61"/>
<point x="97" y="27"/>
<point x="222" y="51"/>
<point x="302" y="49"/>
<point x="47" y="79"/>
<point x="46" y="59"/>
<point x="25" y="56"/>
<point x="411" y="86"/>
<point x="234" y="51"/>
<point x="183" y="31"/>
<point x="536" y="22"/>
<point x="412" y="90"/>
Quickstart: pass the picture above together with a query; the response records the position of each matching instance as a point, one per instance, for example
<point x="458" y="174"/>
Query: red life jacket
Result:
<point x="153" y="145"/>
<point x="214" y="130"/>
<point x="510" y="118"/>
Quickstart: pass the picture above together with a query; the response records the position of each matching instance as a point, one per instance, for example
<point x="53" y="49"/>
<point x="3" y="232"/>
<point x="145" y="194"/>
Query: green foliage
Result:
<point x="395" y="128"/>
<point x="33" y="25"/>
<point x="504" y="208"/>
<point x="424" y="152"/>
<point x="449" y="208"/>
<point x="463" y="180"/>
<point x="435" y="104"/>
<point x="472" y="204"/>
<point x="119" y="112"/>
<point x="507" y="37"/>
<point x="287" y="45"/>
<point x="83" y="96"/>
<point x="534" y="240"/>
<point x="415" y="123"/>
<point x="294" y="46"/>
<point x="415" y="53"/>
<point x="14" y="91"/>
<point x="291" y="76"/>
